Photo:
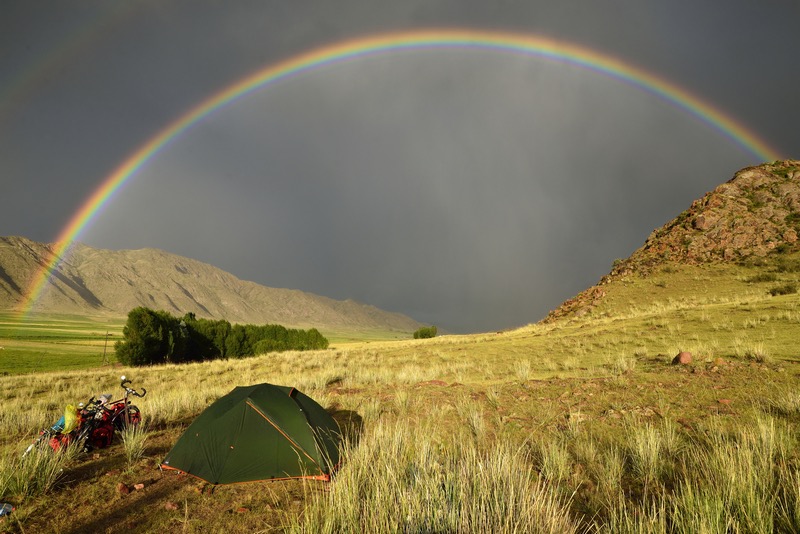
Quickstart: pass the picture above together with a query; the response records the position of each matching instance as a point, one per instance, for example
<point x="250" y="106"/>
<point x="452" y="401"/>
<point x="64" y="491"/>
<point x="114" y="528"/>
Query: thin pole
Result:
<point x="105" y="358"/>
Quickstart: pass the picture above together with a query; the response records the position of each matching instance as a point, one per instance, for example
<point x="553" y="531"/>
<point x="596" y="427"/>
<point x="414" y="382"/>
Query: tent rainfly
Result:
<point x="260" y="432"/>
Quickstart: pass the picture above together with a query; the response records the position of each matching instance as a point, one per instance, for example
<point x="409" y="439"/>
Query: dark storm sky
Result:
<point x="471" y="189"/>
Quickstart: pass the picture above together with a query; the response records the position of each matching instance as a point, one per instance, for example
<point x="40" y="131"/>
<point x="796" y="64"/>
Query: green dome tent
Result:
<point x="260" y="432"/>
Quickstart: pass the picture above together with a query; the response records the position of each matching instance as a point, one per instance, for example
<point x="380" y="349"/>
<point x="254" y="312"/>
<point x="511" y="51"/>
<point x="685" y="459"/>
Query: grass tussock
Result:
<point x="399" y="480"/>
<point x="36" y="473"/>
<point x="650" y="478"/>
<point x="134" y="440"/>
<point x="786" y="402"/>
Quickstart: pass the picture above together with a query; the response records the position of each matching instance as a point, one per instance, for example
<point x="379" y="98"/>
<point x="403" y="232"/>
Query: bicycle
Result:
<point x="95" y="422"/>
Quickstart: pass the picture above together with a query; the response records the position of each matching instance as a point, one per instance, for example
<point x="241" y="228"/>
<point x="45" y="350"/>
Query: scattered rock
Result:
<point x="203" y="488"/>
<point x="683" y="358"/>
<point x="685" y="423"/>
<point x="122" y="489"/>
<point x="138" y="487"/>
<point x="433" y="383"/>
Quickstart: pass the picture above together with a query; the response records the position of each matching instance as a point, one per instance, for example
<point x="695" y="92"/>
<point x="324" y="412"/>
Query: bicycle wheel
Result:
<point x="134" y="418"/>
<point x="41" y="442"/>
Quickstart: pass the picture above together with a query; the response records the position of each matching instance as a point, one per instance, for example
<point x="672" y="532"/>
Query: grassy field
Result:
<point x="582" y="425"/>
<point x="52" y="342"/>
<point x="56" y="342"/>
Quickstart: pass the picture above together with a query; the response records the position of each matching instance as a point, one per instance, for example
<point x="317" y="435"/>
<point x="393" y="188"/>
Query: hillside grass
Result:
<point x="582" y="425"/>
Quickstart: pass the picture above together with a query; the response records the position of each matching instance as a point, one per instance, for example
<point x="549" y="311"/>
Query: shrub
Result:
<point x="152" y="337"/>
<point x="788" y="266"/>
<point x="425" y="332"/>
<point x="786" y="289"/>
<point x="762" y="277"/>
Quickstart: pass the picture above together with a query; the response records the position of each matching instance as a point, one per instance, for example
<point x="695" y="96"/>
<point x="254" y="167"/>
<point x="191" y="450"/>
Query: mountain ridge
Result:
<point x="112" y="282"/>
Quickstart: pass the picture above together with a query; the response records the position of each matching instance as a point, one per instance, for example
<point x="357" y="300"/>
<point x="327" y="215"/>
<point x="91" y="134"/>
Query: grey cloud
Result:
<point x="470" y="189"/>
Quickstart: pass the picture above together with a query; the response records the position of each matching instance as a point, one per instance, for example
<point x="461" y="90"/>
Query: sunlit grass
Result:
<point x="576" y="426"/>
<point x="134" y="438"/>
<point x="36" y="473"/>
<point x="398" y="480"/>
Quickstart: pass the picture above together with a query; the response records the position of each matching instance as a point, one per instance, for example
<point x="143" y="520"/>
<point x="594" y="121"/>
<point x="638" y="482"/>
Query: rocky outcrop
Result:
<point x="753" y="214"/>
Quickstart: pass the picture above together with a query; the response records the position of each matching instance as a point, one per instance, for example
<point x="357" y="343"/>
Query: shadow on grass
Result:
<point x="133" y="510"/>
<point x="351" y="424"/>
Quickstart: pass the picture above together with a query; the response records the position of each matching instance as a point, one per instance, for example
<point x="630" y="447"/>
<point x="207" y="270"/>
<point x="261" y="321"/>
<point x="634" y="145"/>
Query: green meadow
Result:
<point x="50" y="342"/>
<point x="577" y="425"/>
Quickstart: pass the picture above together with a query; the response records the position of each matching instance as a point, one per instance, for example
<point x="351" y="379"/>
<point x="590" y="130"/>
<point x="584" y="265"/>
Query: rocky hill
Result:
<point x="754" y="214"/>
<point x="94" y="281"/>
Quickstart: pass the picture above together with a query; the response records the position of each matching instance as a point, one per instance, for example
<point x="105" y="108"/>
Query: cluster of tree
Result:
<point x="151" y="337"/>
<point x="425" y="332"/>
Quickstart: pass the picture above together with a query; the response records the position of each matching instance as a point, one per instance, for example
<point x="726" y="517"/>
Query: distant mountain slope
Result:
<point x="755" y="213"/>
<point x="96" y="281"/>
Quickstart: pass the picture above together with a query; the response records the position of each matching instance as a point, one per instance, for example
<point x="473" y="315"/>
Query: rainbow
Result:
<point x="524" y="44"/>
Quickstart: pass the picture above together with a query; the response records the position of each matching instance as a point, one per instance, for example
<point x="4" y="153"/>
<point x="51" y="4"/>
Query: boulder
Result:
<point x="683" y="358"/>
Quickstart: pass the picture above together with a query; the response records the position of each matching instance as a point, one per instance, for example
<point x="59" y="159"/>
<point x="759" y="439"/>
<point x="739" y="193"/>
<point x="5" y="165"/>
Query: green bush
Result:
<point x="426" y="332"/>
<point x="763" y="277"/>
<point x="788" y="266"/>
<point x="153" y="337"/>
<point x="150" y="337"/>
<point x="786" y="289"/>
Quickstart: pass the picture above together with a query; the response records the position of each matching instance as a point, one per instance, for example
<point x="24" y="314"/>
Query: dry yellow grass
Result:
<point x="580" y="425"/>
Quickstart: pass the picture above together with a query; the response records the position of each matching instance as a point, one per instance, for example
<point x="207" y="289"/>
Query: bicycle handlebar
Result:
<point x="131" y="391"/>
